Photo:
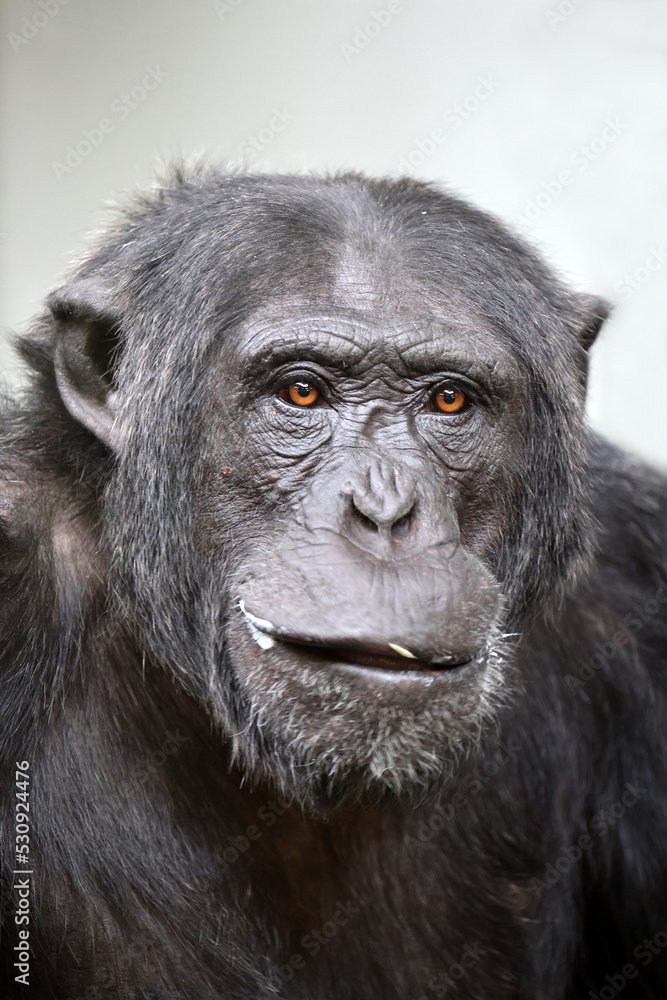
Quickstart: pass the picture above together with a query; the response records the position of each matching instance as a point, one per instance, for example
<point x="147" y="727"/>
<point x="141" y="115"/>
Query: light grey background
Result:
<point x="571" y="85"/>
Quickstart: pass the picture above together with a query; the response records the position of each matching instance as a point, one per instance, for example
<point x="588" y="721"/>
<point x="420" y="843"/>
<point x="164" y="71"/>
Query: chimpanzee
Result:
<point x="332" y="641"/>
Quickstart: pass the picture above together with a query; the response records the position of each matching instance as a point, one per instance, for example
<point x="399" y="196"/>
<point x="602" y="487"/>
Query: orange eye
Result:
<point x="451" y="400"/>
<point x="300" y="394"/>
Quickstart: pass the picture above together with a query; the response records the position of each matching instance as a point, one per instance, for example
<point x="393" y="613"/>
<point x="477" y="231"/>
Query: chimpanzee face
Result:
<point x="354" y="459"/>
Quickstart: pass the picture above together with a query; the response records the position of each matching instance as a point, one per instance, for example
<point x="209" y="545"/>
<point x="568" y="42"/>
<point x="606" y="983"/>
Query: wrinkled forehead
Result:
<point x="352" y="339"/>
<point x="386" y="286"/>
<point x="365" y="300"/>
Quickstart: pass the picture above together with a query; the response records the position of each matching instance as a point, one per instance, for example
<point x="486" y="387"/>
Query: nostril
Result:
<point x="386" y="521"/>
<point x="362" y="519"/>
<point x="403" y="524"/>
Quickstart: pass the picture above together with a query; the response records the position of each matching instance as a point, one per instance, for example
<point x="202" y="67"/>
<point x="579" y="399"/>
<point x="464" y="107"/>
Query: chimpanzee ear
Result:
<point x="593" y="312"/>
<point x="87" y="344"/>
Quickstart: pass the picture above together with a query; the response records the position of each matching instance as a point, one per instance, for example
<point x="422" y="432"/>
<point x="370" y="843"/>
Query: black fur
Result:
<point x="189" y="842"/>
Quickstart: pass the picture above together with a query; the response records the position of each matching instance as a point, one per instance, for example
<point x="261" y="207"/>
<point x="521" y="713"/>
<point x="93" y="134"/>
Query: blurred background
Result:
<point x="550" y="113"/>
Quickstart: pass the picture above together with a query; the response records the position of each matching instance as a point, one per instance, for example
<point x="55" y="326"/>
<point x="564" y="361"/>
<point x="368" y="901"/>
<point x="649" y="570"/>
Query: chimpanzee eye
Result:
<point x="299" y="394"/>
<point x="451" y="399"/>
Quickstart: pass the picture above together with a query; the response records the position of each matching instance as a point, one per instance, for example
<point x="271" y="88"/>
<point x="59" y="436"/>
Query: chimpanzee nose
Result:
<point x="382" y="500"/>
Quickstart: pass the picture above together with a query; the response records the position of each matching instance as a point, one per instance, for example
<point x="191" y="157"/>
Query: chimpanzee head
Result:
<point x="339" y="424"/>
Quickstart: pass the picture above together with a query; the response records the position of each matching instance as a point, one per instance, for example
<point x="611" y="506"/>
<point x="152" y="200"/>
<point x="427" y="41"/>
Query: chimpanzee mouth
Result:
<point x="364" y="656"/>
<point x="395" y="659"/>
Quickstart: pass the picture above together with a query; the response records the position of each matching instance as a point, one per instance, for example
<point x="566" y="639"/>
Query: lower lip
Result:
<point x="377" y="664"/>
<point x="406" y="677"/>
